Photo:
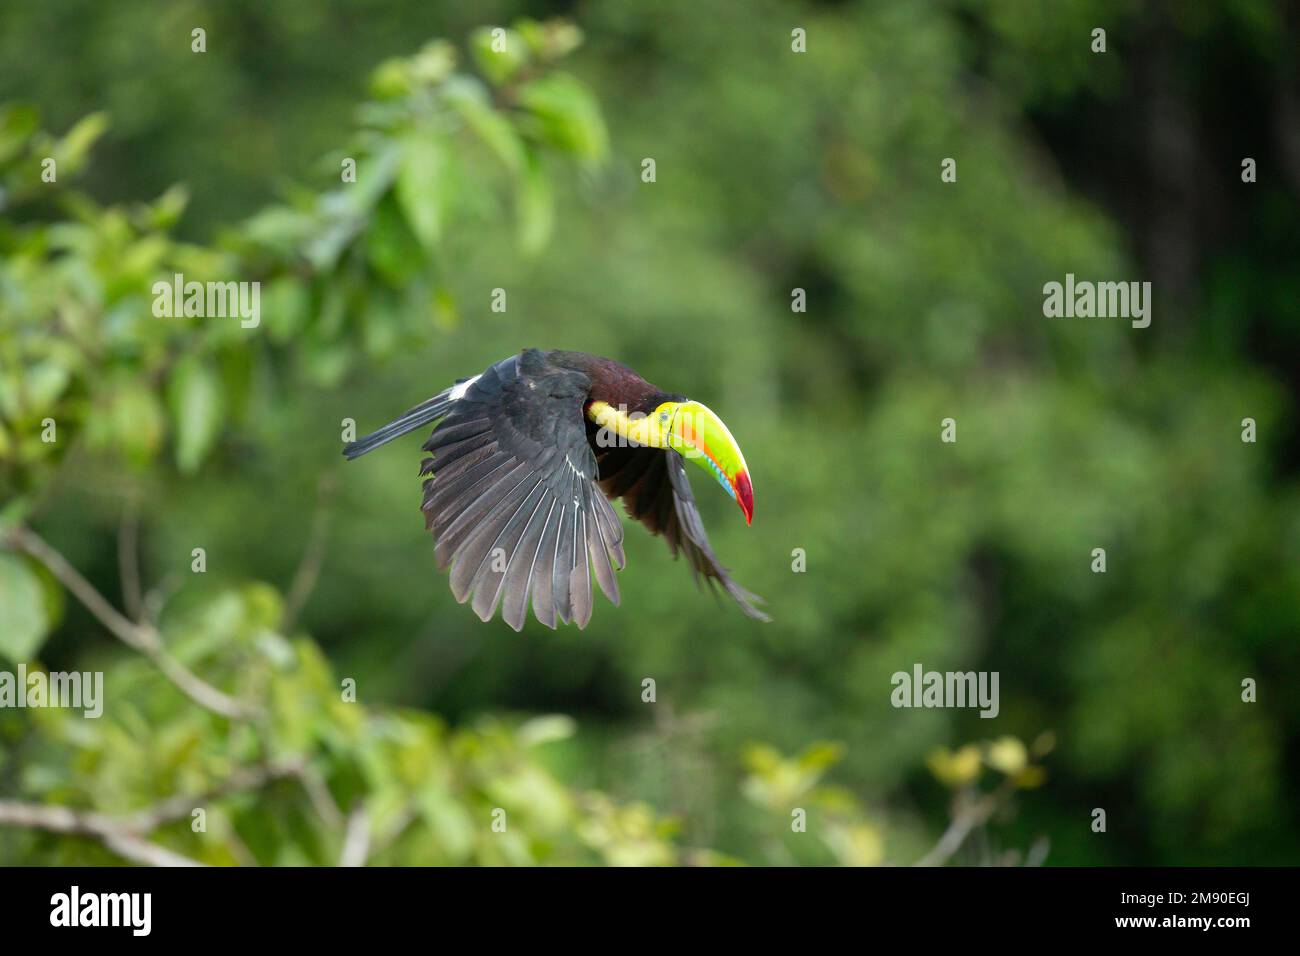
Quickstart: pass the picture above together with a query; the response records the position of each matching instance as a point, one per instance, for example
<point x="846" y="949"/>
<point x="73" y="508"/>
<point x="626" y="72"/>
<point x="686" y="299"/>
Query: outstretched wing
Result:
<point x="655" y="490"/>
<point x="511" y="496"/>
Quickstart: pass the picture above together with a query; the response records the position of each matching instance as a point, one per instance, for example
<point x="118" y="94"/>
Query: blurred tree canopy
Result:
<point x="292" y="768"/>
<point x="775" y="171"/>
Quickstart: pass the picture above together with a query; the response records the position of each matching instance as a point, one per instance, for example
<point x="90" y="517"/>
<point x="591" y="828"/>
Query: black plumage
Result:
<point x="517" y="489"/>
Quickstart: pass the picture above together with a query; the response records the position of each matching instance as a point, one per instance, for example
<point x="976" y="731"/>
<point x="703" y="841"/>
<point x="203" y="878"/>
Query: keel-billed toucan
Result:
<point x="522" y="461"/>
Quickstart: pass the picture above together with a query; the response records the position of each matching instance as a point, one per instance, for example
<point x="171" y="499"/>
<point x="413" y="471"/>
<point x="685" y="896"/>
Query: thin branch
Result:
<point x="197" y="689"/>
<point x="143" y="851"/>
<point x="127" y="845"/>
<point x="974" y="814"/>
<point x="356" y="839"/>
<point x="318" y="792"/>
<point x="241" y="780"/>
<point x="140" y="637"/>
<point x="126" y="834"/>
<point x="313" y="556"/>
<point x="136" y="637"/>
<point x="156" y="597"/>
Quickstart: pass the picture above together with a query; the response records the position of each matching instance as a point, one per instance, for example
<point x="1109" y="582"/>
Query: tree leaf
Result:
<point x="470" y="100"/>
<point x="132" y="424"/>
<point x="24" y="618"/>
<point x="75" y="146"/>
<point x="194" y="397"/>
<point x="391" y="246"/>
<point x="498" y="65"/>
<point x="535" y="205"/>
<point x="566" y="116"/>
<point x="421" y="190"/>
<point x="820" y="756"/>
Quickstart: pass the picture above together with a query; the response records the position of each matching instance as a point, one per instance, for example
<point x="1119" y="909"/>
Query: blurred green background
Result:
<point x="775" y="170"/>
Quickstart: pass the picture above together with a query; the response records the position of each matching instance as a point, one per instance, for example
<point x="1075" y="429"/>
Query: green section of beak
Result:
<point x="701" y="437"/>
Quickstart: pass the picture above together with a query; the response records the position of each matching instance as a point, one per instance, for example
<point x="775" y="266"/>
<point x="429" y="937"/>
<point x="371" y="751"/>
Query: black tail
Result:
<point x="421" y="414"/>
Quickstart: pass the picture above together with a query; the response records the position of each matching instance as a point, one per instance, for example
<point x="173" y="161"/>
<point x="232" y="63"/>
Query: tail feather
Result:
<point x="422" y="414"/>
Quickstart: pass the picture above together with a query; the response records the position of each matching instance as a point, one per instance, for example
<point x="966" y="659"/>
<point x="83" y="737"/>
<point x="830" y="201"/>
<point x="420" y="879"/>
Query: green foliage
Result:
<point x="128" y="382"/>
<point x="842" y="829"/>
<point x="24" y="613"/>
<point x="351" y="272"/>
<point x="428" y="792"/>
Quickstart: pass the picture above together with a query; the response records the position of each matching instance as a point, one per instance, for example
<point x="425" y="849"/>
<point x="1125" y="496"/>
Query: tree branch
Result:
<point x="974" y="814"/>
<point x="126" y="834"/>
<point x="356" y="839"/>
<point x="140" y="637"/>
<point x="318" y="792"/>
<point x="127" y="845"/>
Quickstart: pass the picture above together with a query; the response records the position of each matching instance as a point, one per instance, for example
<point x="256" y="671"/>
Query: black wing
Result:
<point x="655" y="490"/>
<point x="511" y="497"/>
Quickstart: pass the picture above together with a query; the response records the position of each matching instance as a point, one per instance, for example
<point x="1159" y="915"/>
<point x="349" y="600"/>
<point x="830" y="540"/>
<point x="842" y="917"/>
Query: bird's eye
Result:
<point x="663" y="416"/>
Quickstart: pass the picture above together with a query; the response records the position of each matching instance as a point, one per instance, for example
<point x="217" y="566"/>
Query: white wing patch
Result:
<point x="458" y="391"/>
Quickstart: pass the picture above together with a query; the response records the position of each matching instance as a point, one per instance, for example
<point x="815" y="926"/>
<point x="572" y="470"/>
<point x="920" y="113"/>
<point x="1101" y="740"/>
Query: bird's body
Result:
<point x="522" y="466"/>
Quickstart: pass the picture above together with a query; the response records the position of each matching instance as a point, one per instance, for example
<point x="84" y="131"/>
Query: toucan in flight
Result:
<point x="522" y="466"/>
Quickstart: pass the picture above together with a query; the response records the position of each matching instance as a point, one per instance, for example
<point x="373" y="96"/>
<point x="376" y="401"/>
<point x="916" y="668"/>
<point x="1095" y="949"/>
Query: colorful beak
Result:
<point x="701" y="437"/>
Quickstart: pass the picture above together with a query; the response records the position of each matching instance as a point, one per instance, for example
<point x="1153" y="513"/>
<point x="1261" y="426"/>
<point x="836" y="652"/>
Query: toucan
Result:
<point x="524" y="461"/>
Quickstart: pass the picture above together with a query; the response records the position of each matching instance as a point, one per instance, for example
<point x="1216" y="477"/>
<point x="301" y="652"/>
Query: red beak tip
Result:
<point x="745" y="496"/>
